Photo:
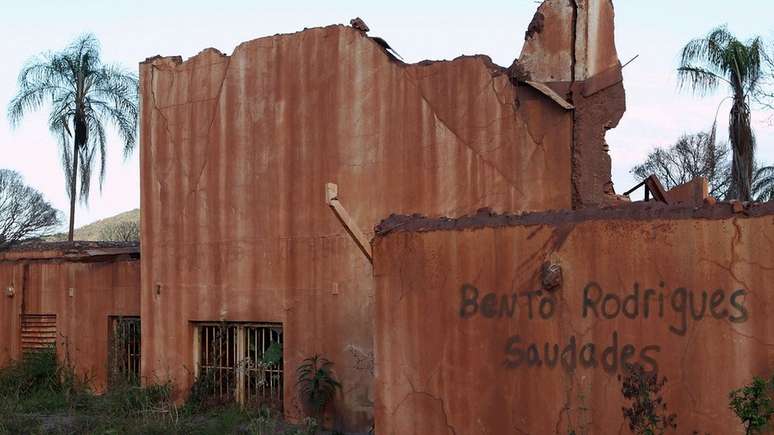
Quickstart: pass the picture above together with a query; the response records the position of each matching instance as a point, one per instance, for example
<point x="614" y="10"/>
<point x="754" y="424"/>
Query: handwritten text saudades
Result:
<point x="679" y="305"/>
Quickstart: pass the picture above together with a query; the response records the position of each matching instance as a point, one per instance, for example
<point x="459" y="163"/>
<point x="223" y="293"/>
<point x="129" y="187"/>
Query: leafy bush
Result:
<point x="39" y="382"/>
<point x="41" y="394"/>
<point x="203" y="395"/>
<point x="753" y="404"/>
<point x="37" y="371"/>
<point x="316" y="383"/>
<point x="647" y="413"/>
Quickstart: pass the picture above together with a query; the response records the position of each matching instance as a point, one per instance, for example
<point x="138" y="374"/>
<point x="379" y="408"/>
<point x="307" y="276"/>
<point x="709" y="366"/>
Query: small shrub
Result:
<point x="308" y="427"/>
<point x="126" y="400"/>
<point x="753" y="404"/>
<point x="647" y="413"/>
<point x="266" y="423"/>
<point x="316" y="383"/>
<point x="39" y="382"/>
<point x="36" y="371"/>
<point x="203" y="395"/>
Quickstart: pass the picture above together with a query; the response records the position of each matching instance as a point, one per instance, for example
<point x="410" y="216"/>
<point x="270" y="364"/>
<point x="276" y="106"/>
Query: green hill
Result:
<point x="93" y="231"/>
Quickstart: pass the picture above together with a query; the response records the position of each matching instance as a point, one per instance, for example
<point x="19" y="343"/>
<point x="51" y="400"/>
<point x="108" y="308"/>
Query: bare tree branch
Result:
<point x="127" y="231"/>
<point x="24" y="213"/>
<point x="692" y="156"/>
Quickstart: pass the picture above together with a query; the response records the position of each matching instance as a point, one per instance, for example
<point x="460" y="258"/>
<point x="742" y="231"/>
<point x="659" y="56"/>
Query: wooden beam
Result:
<point x="548" y="92"/>
<point x="655" y="187"/>
<point x="331" y="198"/>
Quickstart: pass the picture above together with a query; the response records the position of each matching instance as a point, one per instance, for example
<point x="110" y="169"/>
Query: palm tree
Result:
<point x="719" y="58"/>
<point x="763" y="184"/>
<point x="85" y="95"/>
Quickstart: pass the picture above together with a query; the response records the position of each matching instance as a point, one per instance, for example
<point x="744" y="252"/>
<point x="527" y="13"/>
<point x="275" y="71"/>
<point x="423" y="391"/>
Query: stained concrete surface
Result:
<point x="468" y="340"/>
<point x="82" y="284"/>
<point x="235" y="154"/>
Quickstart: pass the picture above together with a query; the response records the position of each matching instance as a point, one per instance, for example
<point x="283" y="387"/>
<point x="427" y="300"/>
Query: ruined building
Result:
<point x="240" y="249"/>
<point x="77" y="297"/>
<point x="236" y="152"/>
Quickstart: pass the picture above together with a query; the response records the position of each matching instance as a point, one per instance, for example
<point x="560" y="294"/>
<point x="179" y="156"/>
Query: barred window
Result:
<point x="124" y="350"/>
<point x="240" y="361"/>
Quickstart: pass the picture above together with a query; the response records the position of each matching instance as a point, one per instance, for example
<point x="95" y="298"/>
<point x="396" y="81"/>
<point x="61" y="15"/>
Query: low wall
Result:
<point x="82" y="288"/>
<point x="473" y="337"/>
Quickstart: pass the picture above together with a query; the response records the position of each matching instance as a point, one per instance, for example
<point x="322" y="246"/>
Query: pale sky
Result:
<point x="131" y="31"/>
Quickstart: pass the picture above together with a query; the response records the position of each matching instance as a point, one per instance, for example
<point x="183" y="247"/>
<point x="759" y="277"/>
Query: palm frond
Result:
<point x="707" y="55"/>
<point x="116" y="97"/>
<point x="763" y="184"/>
<point x="701" y="81"/>
<point x="77" y="83"/>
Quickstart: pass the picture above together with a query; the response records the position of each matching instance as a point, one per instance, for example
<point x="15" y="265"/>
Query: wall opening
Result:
<point x="124" y="347"/>
<point x="240" y="362"/>
<point x="38" y="332"/>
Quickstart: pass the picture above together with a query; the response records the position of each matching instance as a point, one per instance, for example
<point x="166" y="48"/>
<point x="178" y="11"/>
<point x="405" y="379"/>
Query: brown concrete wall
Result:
<point x="102" y="288"/>
<point x="10" y="312"/>
<point x="235" y="152"/>
<point x="570" y="46"/>
<point x="450" y="362"/>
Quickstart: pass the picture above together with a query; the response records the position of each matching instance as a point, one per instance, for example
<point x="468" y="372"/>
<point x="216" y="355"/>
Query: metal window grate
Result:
<point x="38" y="332"/>
<point x="217" y="359"/>
<point x="124" y="351"/>
<point x="263" y="383"/>
<point x="231" y="361"/>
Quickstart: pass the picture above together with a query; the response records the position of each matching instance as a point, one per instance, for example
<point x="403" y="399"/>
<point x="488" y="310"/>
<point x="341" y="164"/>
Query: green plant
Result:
<point x="273" y="354"/>
<point x="36" y="371"/>
<point x="647" y="413"/>
<point x="40" y="382"/>
<point x="127" y="400"/>
<point x="316" y="383"/>
<point x="753" y="404"/>
<point x="308" y="427"/>
<point x="202" y="395"/>
<point x="264" y="424"/>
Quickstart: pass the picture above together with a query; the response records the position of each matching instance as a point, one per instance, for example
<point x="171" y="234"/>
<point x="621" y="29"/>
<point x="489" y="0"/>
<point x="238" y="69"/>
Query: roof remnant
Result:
<point x="638" y="211"/>
<point x="75" y="249"/>
<point x="359" y="24"/>
<point x="652" y="186"/>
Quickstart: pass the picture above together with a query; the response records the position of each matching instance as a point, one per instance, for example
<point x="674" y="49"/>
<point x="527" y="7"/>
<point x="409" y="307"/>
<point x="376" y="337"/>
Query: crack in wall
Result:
<point x="478" y="154"/>
<point x="160" y="112"/>
<point x="432" y="397"/>
<point x="215" y="112"/>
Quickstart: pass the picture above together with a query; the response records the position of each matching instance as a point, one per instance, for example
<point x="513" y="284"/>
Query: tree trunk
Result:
<point x="743" y="146"/>
<point x="73" y="179"/>
<point x="81" y="137"/>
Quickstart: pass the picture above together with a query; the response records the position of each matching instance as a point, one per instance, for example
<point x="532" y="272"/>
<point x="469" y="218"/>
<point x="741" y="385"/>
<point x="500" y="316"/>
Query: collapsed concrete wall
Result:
<point x="472" y="336"/>
<point x="235" y="153"/>
<point x="77" y="287"/>
<point x="570" y="46"/>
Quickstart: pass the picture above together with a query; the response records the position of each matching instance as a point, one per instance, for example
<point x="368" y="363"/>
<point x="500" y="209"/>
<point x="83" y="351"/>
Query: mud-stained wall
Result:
<point x="469" y="339"/>
<point x="10" y="313"/>
<point x="570" y="46"/>
<point x="109" y="286"/>
<point x="236" y="150"/>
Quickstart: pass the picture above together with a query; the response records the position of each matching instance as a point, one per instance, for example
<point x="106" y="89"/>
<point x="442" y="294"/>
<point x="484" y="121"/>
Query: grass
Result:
<point x="40" y="395"/>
